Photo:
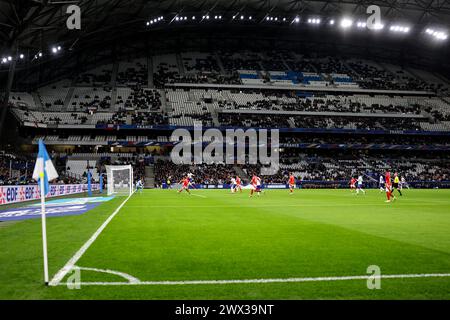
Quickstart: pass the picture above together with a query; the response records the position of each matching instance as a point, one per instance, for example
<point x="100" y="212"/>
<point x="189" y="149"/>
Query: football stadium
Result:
<point x="224" y="150"/>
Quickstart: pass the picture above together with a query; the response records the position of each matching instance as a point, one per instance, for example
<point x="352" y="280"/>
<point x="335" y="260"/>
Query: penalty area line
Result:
<point x="71" y="263"/>
<point x="246" y="281"/>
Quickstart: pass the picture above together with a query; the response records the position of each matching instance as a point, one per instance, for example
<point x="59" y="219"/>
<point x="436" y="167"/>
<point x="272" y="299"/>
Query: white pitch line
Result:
<point x="275" y="205"/>
<point x="245" y="281"/>
<point x="198" y="195"/>
<point x="71" y="263"/>
<point x="124" y="275"/>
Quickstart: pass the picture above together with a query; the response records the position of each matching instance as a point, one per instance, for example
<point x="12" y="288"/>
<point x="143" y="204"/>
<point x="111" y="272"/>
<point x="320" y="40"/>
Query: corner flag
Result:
<point x="43" y="172"/>
<point x="44" y="166"/>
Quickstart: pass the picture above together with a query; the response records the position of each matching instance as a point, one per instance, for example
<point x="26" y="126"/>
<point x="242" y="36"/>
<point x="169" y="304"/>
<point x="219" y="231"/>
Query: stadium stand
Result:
<point x="101" y="99"/>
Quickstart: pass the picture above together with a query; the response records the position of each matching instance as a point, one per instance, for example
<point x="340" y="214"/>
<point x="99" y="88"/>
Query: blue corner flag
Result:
<point x="44" y="167"/>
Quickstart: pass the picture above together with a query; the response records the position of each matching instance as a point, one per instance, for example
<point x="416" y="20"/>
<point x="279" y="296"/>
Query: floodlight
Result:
<point x="346" y="23"/>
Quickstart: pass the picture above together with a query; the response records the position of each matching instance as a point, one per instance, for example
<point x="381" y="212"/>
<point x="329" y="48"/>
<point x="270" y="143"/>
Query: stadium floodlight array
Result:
<point x="120" y="180"/>
<point x="400" y="29"/>
<point x="438" y="35"/>
<point x="361" y="24"/>
<point x="377" y="26"/>
<point x="346" y="23"/>
<point x="155" y="20"/>
<point x="56" y="49"/>
<point x="314" y="21"/>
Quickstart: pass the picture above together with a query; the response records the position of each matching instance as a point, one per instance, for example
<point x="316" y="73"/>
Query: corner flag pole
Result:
<point x="44" y="228"/>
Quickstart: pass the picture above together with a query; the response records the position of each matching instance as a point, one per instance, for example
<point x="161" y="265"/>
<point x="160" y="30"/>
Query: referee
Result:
<point x="396" y="182"/>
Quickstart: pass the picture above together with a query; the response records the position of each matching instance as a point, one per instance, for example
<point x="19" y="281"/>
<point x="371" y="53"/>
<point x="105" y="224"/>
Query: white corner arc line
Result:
<point x="244" y="281"/>
<point x="71" y="263"/>
<point x="124" y="275"/>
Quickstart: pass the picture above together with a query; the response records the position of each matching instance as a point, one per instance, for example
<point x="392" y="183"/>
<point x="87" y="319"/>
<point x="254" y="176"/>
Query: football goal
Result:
<point x="119" y="180"/>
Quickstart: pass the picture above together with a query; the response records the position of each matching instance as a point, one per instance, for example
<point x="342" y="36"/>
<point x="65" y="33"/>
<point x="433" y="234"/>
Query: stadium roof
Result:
<point x="111" y="29"/>
<point x="33" y="22"/>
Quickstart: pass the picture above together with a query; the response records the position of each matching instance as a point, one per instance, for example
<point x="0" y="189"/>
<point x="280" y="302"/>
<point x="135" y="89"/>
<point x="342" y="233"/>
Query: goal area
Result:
<point x="119" y="180"/>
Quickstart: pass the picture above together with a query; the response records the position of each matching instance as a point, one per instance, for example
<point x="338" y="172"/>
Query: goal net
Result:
<point x="119" y="180"/>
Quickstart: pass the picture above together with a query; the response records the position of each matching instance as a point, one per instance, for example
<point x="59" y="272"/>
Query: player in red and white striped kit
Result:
<point x="185" y="183"/>
<point x="238" y="184"/>
<point x="255" y="185"/>
<point x="291" y="183"/>
<point x="388" y="184"/>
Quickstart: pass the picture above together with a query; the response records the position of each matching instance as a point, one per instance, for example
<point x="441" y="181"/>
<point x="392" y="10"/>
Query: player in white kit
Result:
<point x="381" y="183"/>
<point x="233" y="185"/>
<point x="139" y="186"/>
<point x="360" y="185"/>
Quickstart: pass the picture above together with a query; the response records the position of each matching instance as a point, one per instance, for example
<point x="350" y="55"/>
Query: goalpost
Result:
<point x="119" y="180"/>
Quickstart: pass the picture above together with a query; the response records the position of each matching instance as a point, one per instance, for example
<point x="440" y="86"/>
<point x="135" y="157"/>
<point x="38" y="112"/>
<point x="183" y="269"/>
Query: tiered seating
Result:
<point x="281" y="78"/>
<point x="79" y="168"/>
<point x="85" y="98"/>
<point x="22" y="99"/>
<point x="195" y="62"/>
<point x="165" y="69"/>
<point x="343" y="80"/>
<point x="313" y="79"/>
<point x="428" y="77"/>
<point x="207" y="174"/>
<point x="438" y="108"/>
<point x="101" y="117"/>
<point x="274" y="60"/>
<point x="138" y="98"/>
<point x="250" y="77"/>
<point x="299" y="62"/>
<point x="233" y="61"/>
<point x="99" y="76"/>
<point x="188" y="107"/>
<point x="132" y="72"/>
<point x="53" y="96"/>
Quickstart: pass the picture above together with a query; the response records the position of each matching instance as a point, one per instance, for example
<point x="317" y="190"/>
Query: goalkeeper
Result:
<point x="139" y="186"/>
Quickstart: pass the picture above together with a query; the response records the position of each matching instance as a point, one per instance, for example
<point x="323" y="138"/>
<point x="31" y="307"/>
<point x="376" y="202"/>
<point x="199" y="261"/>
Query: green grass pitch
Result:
<point x="161" y="235"/>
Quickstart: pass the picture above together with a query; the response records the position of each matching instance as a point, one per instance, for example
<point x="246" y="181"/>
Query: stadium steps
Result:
<point x="214" y="115"/>
<point x="446" y="100"/>
<point x="115" y="69"/>
<point x="430" y="77"/>
<point x="219" y="62"/>
<point x="442" y="78"/>
<point x="68" y="97"/>
<point x="286" y="65"/>
<point x="151" y="83"/>
<point x="113" y="97"/>
<point x="37" y="100"/>
<point x="347" y="65"/>
<point x="415" y="74"/>
<point x="149" y="176"/>
<point x="241" y="173"/>
<point x="291" y="122"/>
<point x="165" y="107"/>
<point x="180" y="64"/>
<point x="395" y="72"/>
